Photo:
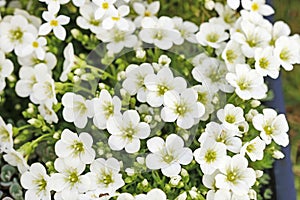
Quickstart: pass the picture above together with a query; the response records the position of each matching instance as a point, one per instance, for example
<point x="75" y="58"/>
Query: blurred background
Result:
<point x="289" y="11"/>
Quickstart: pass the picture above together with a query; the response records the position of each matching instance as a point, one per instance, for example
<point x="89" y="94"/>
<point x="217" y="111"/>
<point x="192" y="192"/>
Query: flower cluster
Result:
<point x="164" y="109"/>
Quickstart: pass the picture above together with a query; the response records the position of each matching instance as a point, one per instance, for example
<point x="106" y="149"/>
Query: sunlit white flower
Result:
<point x="126" y="131"/>
<point x="211" y="35"/>
<point x="231" y="116"/>
<point x="151" y="195"/>
<point x="145" y="10"/>
<point x="69" y="181"/>
<point x="104" y="108"/>
<point x="74" y="148"/>
<point x="272" y="126"/>
<point x="32" y="19"/>
<point x="254" y="149"/>
<point x="279" y="29"/>
<point x="117" y="19"/>
<point x="105" y="175"/>
<point x="187" y="30"/>
<point x="6" y="68"/>
<point x="48" y="113"/>
<point x="54" y="23"/>
<point x="266" y="63"/>
<point x="79" y="3"/>
<point x="36" y="45"/>
<point x="76" y="109"/>
<point x="160" y="83"/>
<point x="55" y="4"/>
<point x="6" y="140"/>
<point x="233" y="55"/>
<point x="227" y="16"/>
<point x="35" y="181"/>
<point x="259" y="6"/>
<point x="168" y="156"/>
<point x="182" y="107"/>
<point x="69" y="62"/>
<point x="105" y="7"/>
<point x="16" y="159"/>
<point x="204" y="96"/>
<point x="235" y="175"/>
<point x="234" y="4"/>
<point x="160" y="32"/>
<point x="210" y="155"/>
<point x="134" y="82"/>
<point x="32" y="60"/>
<point x="248" y="83"/>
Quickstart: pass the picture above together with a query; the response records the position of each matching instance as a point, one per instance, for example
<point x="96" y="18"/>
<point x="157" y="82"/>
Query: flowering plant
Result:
<point x="107" y="99"/>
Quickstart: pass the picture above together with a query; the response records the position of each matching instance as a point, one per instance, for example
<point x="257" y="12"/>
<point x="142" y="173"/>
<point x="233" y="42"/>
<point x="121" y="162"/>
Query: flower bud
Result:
<point x="175" y="180"/>
<point x="278" y="154"/>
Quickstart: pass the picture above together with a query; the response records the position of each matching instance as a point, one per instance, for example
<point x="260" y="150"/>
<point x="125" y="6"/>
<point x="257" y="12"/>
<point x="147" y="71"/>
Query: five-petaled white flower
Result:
<point x="117" y="19"/>
<point x="145" y="10"/>
<point x="231" y="116"/>
<point x="105" y="8"/>
<point x="168" y="156"/>
<point x="74" y="148"/>
<point x="126" y="131"/>
<point x="254" y="149"/>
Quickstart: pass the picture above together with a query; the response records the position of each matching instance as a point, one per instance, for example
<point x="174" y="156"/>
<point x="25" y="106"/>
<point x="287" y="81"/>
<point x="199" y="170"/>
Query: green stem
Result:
<point x="101" y="71"/>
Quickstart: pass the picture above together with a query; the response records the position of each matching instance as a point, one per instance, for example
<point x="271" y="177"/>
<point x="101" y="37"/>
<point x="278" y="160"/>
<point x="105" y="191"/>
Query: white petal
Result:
<point x="171" y="170"/>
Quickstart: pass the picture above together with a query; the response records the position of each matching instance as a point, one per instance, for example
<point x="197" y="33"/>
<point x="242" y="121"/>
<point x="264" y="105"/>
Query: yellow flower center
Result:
<point x="231" y="56"/>
<point x="264" y="63"/>
<point x="53" y="22"/>
<point x="35" y="44"/>
<point x="105" y="5"/>
<point x="255" y="7"/>
<point x="210" y="156"/>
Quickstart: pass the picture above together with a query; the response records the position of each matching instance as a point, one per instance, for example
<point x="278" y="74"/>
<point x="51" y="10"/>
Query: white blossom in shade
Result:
<point x="212" y="35"/>
<point x="76" y="109"/>
<point x="287" y="52"/>
<point x="160" y="32"/>
<point x="35" y="45"/>
<point x="6" y="139"/>
<point x="69" y="181"/>
<point x="87" y="20"/>
<point x="134" y="82"/>
<point x="69" y="62"/>
<point x="145" y="10"/>
<point x="24" y="86"/>
<point x="126" y="131"/>
<point x="259" y="6"/>
<point x="35" y="181"/>
<point x="254" y="149"/>
<point x="105" y="175"/>
<point x="210" y="155"/>
<point x="231" y="116"/>
<point x="15" y="33"/>
<point x="48" y="113"/>
<point x="251" y="37"/>
<point x="117" y="19"/>
<point x="272" y="126"/>
<point x="105" y="8"/>
<point x="232" y="55"/>
<point x="104" y="108"/>
<point x="266" y="63"/>
<point x="16" y="159"/>
<point x="54" y="23"/>
<point x="6" y="68"/>
<point x="220" y="134"/>
<point x="158" y="84"/>
<point x="204" y="96"/>
<point x="248" y="83"/>
<point x="118" y="39"/>
<point x="235" y="175"/>
<point x="227" y="16"/>
<point x="234" y="4"/>
<point x="187" y="30"/>
<point x="32" y="60"/>
<point x="74" y="148"/>
<point x="182" y="107"/>
<point x="168" y="156"/>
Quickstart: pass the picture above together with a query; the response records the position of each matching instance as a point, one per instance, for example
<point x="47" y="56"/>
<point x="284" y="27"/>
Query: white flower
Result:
<point x="205" y="97"/>
<point x="278" y="154"/>
<point x="134" y="82"/>
<point x="227" y="16"/>
<point x="6" y="68"/>
<point x="117" y="19"/>
<point x="35" y="181"/>
<point x="126" y="131"/>
<point x="105" y="7"/>
<point x="68" y="181"/>
<point x="272" y="126"/>
<point x="36" y="45"/>
<point x="15" y="158"/>
<point x="160" y="83"/>
<point x="259" y="6"/>
<point x="235" y="175"/>
<point x="74" y="148"/>
<point x="15" y="34"/>
<point x="145" y="10"/>
<point x="69" y="62"/>
<point x="105" y="107"/>
<point x="184" y="108"/>
<point x="48" y="113"/>
<point x="76" y="109"/>
<point x="32" y="60"/>
<point x="287" y="52"/>
<point x="160" y="32"/>
<point x="210" y="155"/>
<point x="266" y="63"/>
<point x="105" y="175"/>
<point x="6" y="139"/>
<point x="248" y="82"/>
<point x="2" y="3"/>
<point x="231" y="116"/>
<point x="175" y="180"/>
<point x="168" y="156"/>
<point x="254" y="149"/>
<point x="233" y="55"/>
<point x="279" y="29"/>
<point x="211" y="34"/>
<point x="182" y="196"/>
<point x="187" y="30"/>
<point x="234" y="4"/>
<point x="79" y="3"/>
<point x="54" y="23"/>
